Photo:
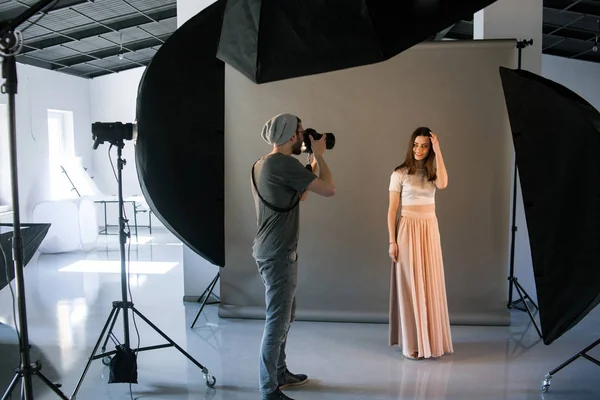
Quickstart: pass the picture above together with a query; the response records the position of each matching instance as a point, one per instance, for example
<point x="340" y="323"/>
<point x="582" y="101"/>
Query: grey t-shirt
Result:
<point x="280" y="180"/>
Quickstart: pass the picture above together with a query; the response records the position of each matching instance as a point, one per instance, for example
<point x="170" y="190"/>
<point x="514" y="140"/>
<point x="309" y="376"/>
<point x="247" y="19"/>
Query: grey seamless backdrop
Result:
<point x="344" y="269"/>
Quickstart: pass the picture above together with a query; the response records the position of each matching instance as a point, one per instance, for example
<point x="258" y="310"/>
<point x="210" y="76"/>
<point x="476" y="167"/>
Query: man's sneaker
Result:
<point x="276" y="395"/>
<point x="288" y="379"/>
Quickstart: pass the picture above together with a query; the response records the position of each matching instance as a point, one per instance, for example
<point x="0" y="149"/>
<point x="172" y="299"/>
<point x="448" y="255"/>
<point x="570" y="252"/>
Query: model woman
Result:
<point x="418" y="305"/>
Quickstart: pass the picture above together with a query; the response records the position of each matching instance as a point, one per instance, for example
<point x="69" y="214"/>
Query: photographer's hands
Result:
<point x="324" y="184"/>
<point x="318" y="146"/>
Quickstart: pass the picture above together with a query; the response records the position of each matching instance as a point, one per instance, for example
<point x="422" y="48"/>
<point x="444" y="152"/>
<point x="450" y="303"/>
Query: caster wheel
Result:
<point x="546" y="384"/>
<point x="210" y="381"/>
<point x="545" y="388"/>
<point x="106" y="361"/>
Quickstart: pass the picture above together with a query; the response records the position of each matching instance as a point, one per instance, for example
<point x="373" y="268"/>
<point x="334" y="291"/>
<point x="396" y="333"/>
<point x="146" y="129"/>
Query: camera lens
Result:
<point x="308" y="132"/>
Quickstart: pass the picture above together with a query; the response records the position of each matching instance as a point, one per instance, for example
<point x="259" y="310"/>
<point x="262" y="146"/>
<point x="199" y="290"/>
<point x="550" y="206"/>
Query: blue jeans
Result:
<point x="280" y="275"/>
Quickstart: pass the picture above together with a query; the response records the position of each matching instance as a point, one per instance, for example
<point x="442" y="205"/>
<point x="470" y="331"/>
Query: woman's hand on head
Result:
<point x="435" y="143"/>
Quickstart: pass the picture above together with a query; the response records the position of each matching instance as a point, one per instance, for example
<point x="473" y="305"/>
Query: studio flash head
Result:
<point x="113" y="132"/>
<point x="308" y="132"/>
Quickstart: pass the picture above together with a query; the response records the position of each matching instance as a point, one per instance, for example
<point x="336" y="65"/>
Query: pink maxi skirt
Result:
<point x="419" y="319"/>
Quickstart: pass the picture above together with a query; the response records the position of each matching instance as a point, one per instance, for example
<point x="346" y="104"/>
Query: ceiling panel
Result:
<point x="84" y="37"/>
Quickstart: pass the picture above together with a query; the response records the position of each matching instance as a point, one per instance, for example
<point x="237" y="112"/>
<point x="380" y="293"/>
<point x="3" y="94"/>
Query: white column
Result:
<point x="521" y="20"/>
<point x="518" y="19"/>
<point x="197" y="272"/>
<point x="186" y="9"/>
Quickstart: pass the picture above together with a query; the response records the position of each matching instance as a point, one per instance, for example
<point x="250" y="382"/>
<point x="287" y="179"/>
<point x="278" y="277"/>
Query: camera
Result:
<point x="308" y="132"/>
<point x="112" y="132"/>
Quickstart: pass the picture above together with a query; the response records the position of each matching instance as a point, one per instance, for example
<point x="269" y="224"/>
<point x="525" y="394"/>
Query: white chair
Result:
<point x="74" y="226"/>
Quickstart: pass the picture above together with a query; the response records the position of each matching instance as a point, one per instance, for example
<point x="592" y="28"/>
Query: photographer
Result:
<point x="280" y="182"/>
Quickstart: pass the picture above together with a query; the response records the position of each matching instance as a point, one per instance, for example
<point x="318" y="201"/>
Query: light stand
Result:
<point x="10" y="45"/>
<point x="124" y="305"/>
<point x="513" y="281"/>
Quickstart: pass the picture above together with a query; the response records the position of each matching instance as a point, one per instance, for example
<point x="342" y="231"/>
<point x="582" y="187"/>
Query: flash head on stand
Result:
<point x="308" y="132"/>
<point x="113" y="132"/>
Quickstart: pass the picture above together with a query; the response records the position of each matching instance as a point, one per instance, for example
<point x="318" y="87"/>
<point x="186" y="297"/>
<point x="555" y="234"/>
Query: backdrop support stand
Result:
<point x="524" y="297"/>
<point x="10" y="45"/>
<point x="582" y="354"/>
<point x="125" y="305"/>
<point x="205" y="296"/>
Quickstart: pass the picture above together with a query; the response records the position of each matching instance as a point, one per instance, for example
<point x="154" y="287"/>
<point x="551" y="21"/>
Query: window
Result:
<point x="5" y="185"/>
<point x="61" y="151"/>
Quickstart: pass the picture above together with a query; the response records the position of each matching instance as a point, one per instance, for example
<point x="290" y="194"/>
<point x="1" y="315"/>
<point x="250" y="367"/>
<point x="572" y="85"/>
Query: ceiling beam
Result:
<point x="582" y="7"/>
<point x="571" y="33"/>
<point x="97" y="30"/>
<point x="118" y="69"/>
<point x="21" y="7"/>
<point x="113" y="51"/>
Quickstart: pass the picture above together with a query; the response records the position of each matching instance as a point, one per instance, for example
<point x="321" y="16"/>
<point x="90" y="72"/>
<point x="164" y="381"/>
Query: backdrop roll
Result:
<point x="344" y="269"/>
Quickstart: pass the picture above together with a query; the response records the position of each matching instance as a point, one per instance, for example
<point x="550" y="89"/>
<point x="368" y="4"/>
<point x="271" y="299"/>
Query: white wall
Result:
<point x="113" y="99"/>
<point x="38" y="91"/>
<point x="518" y="19"/>
<point x="582" y="77"/>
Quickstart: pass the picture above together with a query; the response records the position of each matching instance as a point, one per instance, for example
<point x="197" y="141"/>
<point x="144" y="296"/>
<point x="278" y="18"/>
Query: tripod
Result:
<point x="124" y="305"/>
<point x="513" y="281"/>
<point x="10" y="45"/>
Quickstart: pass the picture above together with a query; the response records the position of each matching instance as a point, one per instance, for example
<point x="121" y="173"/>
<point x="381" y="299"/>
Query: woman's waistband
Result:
<point x="426" y="213"/>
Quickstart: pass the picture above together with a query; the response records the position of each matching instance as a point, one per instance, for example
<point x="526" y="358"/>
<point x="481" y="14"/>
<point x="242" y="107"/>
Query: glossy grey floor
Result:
<point x="67" y="309"/>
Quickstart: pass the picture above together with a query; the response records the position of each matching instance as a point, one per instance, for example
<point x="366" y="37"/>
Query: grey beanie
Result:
<point x="279" y="129"/>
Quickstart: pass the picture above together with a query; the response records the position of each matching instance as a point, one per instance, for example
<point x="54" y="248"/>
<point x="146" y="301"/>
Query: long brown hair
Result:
<point x="411" y="164"/>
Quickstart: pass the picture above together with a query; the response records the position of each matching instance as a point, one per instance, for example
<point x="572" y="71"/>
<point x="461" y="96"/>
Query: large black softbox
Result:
<point x="269" y="40"/>
<point x="556" y="137"/>
<point x="180" y="150"/>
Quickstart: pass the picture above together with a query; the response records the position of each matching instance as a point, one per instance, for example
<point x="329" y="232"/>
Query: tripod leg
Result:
<point x="112" y="325"/>
<point x="537" y="328"/>
<point x="206" y="295"/>
<point x="87" y="366"/>
<point x="517" y="284"/>
<point x="11" y="387"/>
<point x="168" y="339"/>
<point x="51" y="385"/>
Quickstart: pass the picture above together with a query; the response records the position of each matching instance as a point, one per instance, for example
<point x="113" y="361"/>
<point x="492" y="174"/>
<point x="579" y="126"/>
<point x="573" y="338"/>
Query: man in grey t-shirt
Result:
<point x="279" y="183"/>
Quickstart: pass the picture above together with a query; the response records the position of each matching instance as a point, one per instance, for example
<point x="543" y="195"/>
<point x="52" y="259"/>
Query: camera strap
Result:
<point x="272" y="207"/>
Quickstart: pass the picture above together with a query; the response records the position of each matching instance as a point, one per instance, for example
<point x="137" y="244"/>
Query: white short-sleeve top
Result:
<point x="414" y="189"/>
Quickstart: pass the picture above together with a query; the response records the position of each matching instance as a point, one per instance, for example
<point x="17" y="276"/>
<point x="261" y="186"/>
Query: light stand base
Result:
<point x="526" y="300"/>
<point x="34" y="370"/>
<point x="205" y="296"/>
<point x="582" y="354"/>
<point x="105" y="356"/>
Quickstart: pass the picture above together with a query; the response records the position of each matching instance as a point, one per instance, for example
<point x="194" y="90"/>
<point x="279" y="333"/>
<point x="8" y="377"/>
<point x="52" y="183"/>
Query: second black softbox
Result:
<point x="270" y="40"/>
<point x="556" y="135"/>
